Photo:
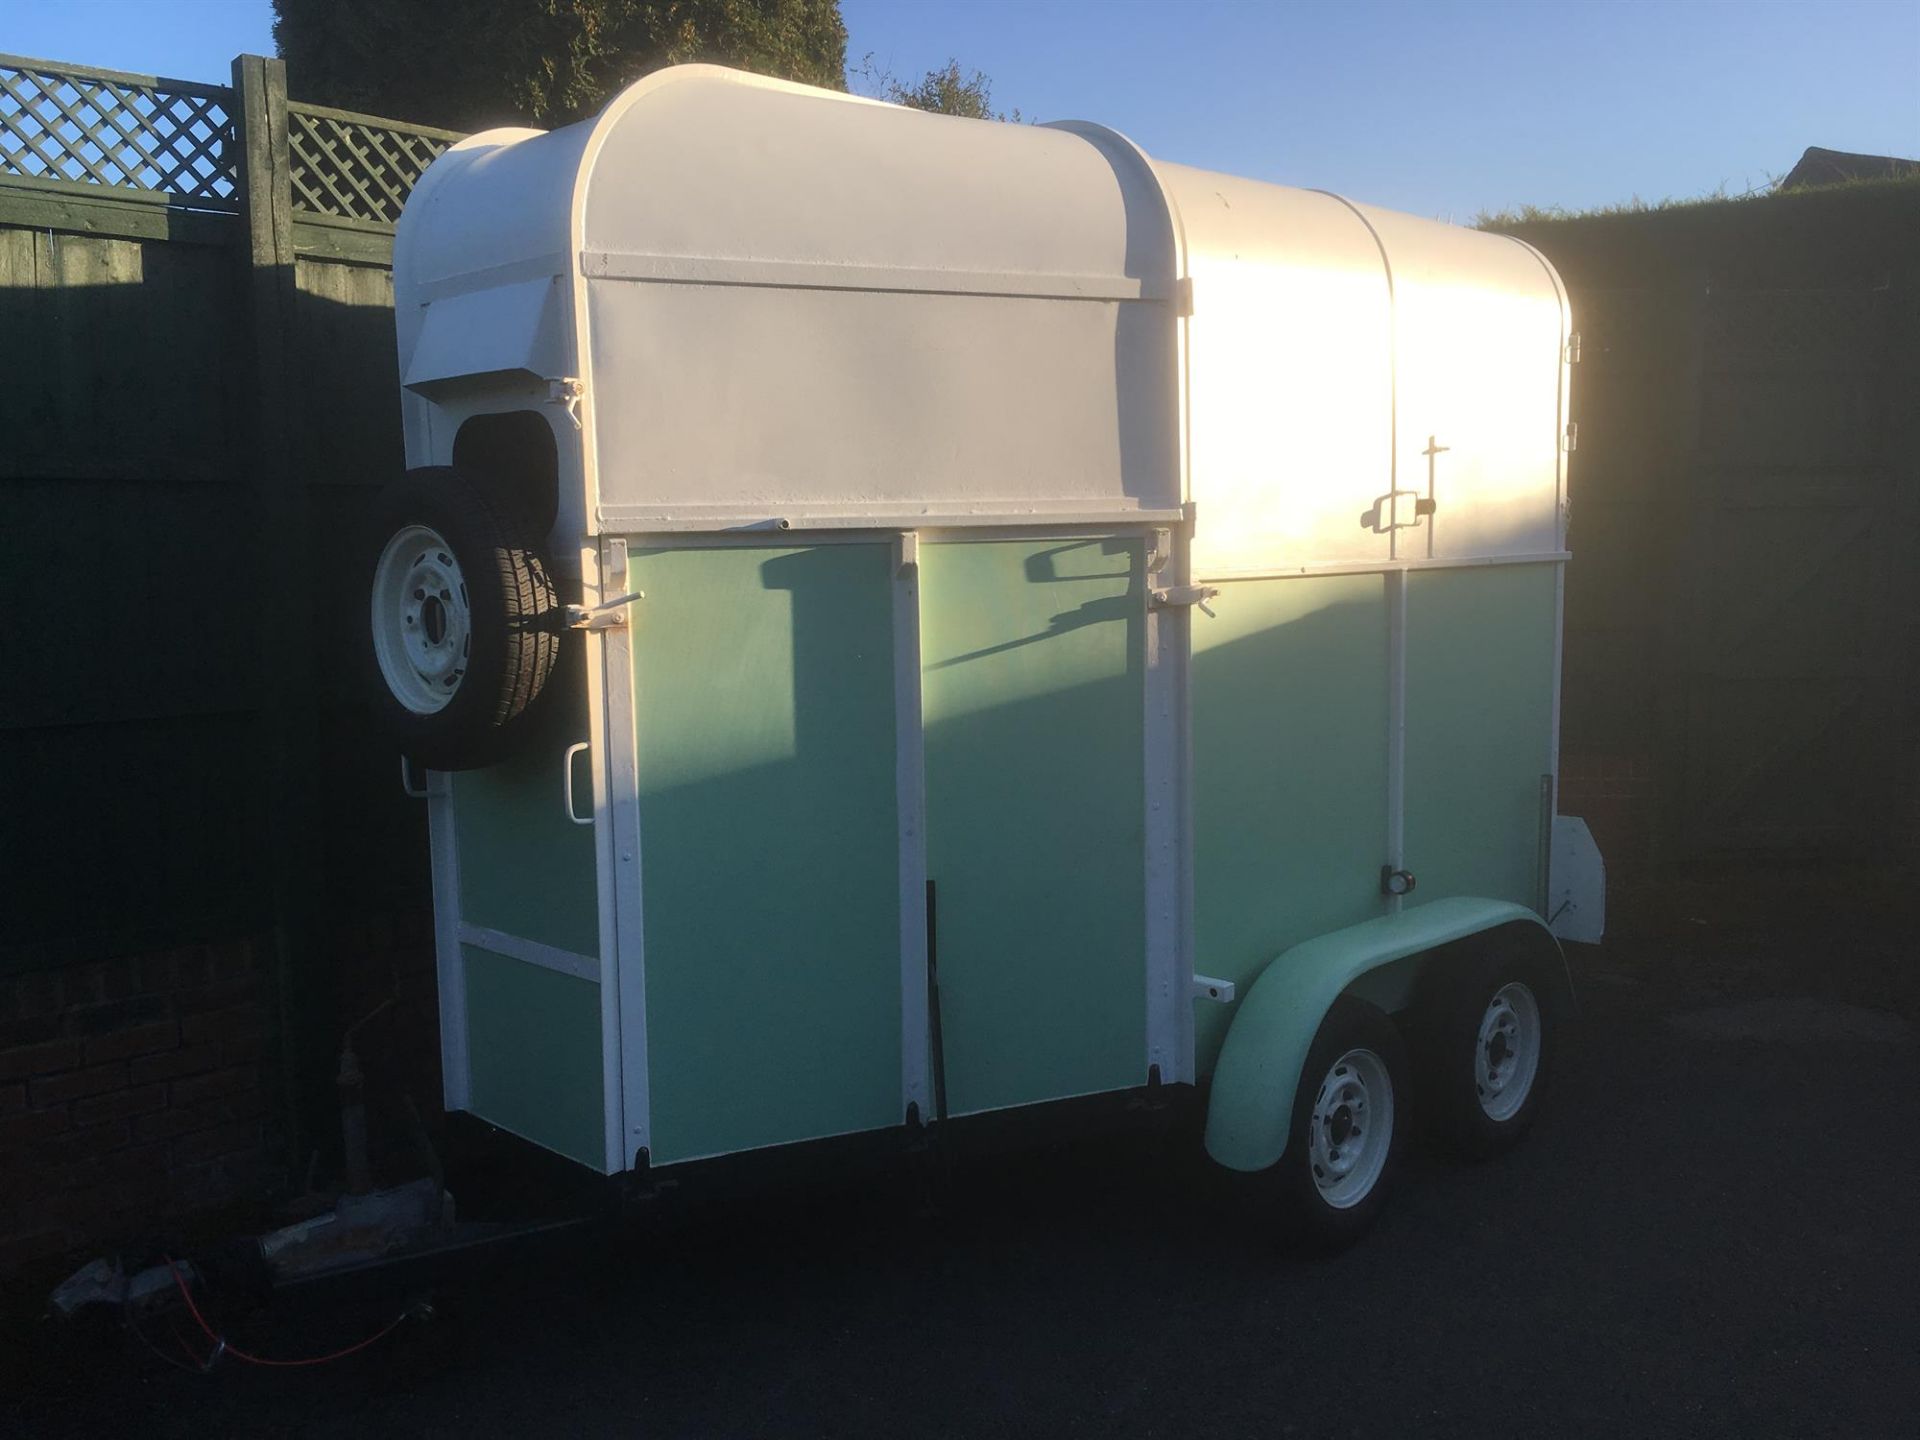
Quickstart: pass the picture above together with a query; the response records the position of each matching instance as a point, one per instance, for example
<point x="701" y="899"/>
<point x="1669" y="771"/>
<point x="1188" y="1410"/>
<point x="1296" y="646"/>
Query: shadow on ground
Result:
<point x="1713" y="1231"/>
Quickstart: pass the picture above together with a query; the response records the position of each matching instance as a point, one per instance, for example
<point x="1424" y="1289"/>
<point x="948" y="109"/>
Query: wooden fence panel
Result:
<point x="198" y="398"/>
<point x="1741" y="673"/>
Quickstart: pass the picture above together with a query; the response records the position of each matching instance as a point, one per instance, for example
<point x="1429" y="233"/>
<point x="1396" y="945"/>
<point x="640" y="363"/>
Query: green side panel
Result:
<point x="1033" y="693"/>
<point x="769" y="844"/>
<point x="1289" y="773"/>
<point x="525" y="869"/>
<point x="1480" y="648"/>
<point x="534" y="1038"/>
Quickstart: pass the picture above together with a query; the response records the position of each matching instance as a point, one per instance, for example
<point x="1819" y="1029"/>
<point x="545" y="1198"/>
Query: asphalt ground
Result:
<point x="1712" y="1231"/>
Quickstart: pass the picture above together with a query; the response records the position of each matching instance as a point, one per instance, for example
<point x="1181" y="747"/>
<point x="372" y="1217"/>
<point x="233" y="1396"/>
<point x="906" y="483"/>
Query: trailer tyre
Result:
<point x="466" y="626"/>
<point x="1349" y="1126"/>
<point x="1485" y="1046"/>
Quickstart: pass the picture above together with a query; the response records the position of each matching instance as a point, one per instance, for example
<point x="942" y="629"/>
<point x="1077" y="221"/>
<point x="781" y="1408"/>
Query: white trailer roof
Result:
<point x="789" y="305"/>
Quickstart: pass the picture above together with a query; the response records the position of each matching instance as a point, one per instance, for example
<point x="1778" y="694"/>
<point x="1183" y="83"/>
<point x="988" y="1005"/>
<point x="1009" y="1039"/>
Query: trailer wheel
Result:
<point x="1486" y="1043"/>
<point x="1349" y="1125"/>
<point x="465" y="624"/>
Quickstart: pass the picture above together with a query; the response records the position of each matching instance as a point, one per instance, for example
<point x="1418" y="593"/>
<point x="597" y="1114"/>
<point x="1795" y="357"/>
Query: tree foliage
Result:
<point x="945" y="91"/>
<point x="468" y="64"/>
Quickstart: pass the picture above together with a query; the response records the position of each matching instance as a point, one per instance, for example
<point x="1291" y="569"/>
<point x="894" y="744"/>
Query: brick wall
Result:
<point x="131" y="1091"/>
<point x="1615" y="794"/>
<point x="140" y="1091"/>
<point x="385" y="963"/>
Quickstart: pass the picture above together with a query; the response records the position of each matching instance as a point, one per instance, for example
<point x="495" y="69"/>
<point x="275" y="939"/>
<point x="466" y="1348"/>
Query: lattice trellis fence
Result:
<point x="105" y="132"/>
<point x="357" y="167"/>
<point x="132" y="132"/>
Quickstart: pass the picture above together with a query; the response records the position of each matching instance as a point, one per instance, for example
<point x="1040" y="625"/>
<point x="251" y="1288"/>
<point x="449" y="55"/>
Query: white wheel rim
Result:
<point x="422" y="619"/>
<point x="1352" y="1128"/>
<point x="1506" y="1054"/>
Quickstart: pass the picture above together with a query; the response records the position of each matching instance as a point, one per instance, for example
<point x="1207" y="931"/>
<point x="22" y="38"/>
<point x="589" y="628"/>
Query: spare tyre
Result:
<point x="465" y="622"/>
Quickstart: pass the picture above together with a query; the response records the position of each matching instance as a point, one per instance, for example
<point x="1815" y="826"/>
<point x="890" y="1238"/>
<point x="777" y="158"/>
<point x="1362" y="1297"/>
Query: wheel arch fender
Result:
<point x="1250" y="1107"/>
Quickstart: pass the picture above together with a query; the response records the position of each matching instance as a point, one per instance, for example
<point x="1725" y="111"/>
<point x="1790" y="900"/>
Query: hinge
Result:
<point x="1573" y="436"/>
<point x="1160" y="552"/>
<point x="1183" y="297"/>
<point x="1174" y="596"/>
<point x="1573" y="348"/>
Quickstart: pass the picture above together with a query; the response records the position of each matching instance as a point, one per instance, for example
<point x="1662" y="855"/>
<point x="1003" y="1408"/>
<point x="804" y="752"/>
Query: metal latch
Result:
<point x="1174" y="596"/>
<point x="1205" y="987"/>
<point x="1573" y="348"/>
<point x="566" y="391"/>
<point x="1573" y="436"/>
<point x="1391" y="511"/>
<point x="608" y="615"/>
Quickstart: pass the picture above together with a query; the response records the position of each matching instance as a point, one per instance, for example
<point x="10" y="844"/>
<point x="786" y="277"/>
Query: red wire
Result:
<point x="185" y="1349"/>
<point x="221" y="1345"/>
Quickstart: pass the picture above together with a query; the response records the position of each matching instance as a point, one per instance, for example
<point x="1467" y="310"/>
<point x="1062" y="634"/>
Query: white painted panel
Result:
<point x="750" y="403"/>
<point x="517" y="329"/>
<point x="1577" y="886"/>
<point x="494" y="199"/>
<point x="1290" y="375"/>
<point x="1479" y="332"/>
<point x="699" y="161"/>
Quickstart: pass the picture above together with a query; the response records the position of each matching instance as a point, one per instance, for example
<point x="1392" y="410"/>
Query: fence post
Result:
<point x="284" y="587"/>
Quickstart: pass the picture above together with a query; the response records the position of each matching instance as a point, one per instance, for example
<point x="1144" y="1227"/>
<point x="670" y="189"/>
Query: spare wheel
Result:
<point x="466" y="626"/>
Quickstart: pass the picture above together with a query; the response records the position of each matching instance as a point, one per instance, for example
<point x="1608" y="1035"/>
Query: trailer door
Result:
<point x="1033" y="675"/>
<point x="764" y="716"/>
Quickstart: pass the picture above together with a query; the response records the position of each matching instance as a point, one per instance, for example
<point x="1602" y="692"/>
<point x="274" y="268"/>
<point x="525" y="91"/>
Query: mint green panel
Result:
<point x="769" y="844"/>
<point x="524" y="869"/>
<point x="1250" y="1106"/>
<point x="1289" y="773"/>
<point x="1034" y="665"/>
<point x="1480" y="646"/>
<point x="534" y="1038"/>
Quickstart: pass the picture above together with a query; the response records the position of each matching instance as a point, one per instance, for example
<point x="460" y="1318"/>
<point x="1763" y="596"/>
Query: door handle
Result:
<point x="566" y="782"/>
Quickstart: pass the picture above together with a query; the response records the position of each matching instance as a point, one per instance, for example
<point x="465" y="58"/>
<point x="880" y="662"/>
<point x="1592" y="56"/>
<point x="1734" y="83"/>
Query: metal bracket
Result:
<point x="1174" y="596"/>
<point x="1205" y="987"/>
<point x="906" y="551"/>
<point x="566" y="391"/>
<point x="608" y="615"/>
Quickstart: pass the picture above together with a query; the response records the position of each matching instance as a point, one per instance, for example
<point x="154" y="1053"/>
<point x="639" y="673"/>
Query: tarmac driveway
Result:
<point x="1713" y="1231"/>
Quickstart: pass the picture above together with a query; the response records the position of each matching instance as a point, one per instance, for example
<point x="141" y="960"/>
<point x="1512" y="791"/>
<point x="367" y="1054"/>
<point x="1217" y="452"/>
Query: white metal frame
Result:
<point x="456" y="1069"/>
<point x="531" y="952"/>
<point x="1396" y="729"/>
<point x="821" y="275"/>
<point x="1169" y="964"/>
<point x="910" y="789"/>
<point x="1382" y="567"/>
<point x="624" y="1003"/>
<point x="695" y="523"/>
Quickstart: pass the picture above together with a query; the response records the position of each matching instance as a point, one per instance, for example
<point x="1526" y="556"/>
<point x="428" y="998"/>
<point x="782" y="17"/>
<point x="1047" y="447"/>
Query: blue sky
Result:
<point x="1442" y="108"/>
